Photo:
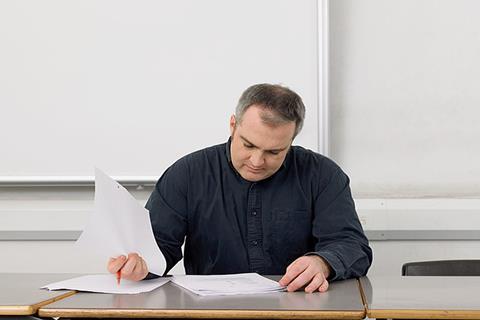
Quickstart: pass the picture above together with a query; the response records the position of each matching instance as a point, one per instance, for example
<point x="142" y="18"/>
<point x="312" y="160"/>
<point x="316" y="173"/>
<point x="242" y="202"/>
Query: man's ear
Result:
<point x="233" y="123"/>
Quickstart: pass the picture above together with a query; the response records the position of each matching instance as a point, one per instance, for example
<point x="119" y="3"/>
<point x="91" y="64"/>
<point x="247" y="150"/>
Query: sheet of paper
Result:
<point x="107" y="283"/>
<point x="119" y="225"/>
<point x="229" y="284"/>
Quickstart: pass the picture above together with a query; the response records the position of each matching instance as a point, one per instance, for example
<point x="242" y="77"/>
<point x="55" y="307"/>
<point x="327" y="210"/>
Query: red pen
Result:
<point x="119" y="275"/>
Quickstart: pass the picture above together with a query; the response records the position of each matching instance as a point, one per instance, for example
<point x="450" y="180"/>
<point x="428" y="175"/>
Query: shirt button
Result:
<point x="254" y="213"/>
<point x="254" y="242"/>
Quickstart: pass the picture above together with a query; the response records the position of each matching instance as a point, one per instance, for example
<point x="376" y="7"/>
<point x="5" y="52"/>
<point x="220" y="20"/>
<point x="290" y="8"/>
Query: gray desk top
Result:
<point x="342" y="301"/>
<point x="422" y="297"/>
<point x="20" y="294"/>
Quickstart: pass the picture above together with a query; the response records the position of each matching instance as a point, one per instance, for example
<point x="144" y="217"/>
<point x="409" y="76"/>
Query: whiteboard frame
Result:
<point x="73" y="181"/>
<point x="323" y="77"/>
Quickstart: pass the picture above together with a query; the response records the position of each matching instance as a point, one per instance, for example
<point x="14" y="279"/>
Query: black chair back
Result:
<point x="442" y="268"/>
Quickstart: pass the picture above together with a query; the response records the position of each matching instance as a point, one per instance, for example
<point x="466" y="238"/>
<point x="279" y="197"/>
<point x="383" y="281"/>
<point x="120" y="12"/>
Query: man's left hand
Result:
<point x="312" y="271"/>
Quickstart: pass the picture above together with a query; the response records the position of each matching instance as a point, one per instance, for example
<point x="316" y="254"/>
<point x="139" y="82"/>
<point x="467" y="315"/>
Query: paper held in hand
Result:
<point x="119" y="225"/>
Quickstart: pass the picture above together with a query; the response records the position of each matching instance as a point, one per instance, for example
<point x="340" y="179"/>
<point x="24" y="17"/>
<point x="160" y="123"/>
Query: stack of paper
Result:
<point x="107" y="283"/>
<point x="229" y="284"/>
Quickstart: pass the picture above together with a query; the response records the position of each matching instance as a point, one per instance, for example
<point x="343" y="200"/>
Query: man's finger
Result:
<point x="305" y="277"/>
<point x="129" y="266"/>
<point x="293" y="270"/>
<point x="115" y="264"/>
<point x="144" y="267"/>
<point x="324" y="286"/>
<point x="316" y="282"/>
<point x="137" y="271"/>
<point x="110" y="267"/>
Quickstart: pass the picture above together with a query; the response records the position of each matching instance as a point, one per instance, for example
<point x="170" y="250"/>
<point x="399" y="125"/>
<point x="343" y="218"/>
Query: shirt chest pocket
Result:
<point x="292" y="231"/>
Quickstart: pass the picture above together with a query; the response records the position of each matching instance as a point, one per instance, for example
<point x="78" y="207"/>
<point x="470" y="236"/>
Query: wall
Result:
<point x="404" y="102"/>
<point x="402" y="96"/>
<point x="128" y="86"/>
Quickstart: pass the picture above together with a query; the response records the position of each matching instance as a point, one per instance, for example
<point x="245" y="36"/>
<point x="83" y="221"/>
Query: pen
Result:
<point x="119" y="275"/>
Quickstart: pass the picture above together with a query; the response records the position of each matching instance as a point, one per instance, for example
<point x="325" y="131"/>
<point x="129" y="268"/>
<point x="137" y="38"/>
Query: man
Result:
<point x="257" y="204"/>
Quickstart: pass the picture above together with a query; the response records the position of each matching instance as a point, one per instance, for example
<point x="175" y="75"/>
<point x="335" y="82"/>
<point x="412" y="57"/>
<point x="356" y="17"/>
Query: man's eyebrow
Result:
<point x="273" y="150"/>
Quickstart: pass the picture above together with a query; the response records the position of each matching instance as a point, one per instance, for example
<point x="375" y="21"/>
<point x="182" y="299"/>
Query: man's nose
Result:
<point x="257" y="159"/>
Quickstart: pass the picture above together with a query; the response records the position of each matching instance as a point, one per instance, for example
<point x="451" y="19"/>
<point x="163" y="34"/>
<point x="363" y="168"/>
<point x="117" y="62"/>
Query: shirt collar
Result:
<point x="227" y="150"/>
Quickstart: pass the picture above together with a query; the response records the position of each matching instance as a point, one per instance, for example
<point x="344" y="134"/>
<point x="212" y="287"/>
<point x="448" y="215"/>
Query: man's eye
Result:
<point x="274" y="152"/>
<point x="249" y="146"/>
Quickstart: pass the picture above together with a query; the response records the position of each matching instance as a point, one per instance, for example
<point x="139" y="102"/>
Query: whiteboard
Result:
<point x="131" y="86"/>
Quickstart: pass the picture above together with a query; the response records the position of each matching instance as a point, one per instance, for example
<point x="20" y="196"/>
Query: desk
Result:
<point x="342" y="301"/>
<point x="20" y="293"/>
<point x="422" y="297"/>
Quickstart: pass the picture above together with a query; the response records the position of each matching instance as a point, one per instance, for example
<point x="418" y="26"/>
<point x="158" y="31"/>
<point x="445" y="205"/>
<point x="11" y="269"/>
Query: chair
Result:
<point x="442" y="268"/>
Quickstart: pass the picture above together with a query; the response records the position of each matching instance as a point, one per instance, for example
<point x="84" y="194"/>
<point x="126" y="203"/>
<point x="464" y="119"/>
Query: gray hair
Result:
<point x="280" y="103"/>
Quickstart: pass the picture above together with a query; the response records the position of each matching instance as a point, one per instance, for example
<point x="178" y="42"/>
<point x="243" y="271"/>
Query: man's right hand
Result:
<point x="132" y="267"/>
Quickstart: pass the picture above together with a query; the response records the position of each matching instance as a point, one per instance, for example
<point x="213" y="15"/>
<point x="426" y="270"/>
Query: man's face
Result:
<point x="258" y="149"/>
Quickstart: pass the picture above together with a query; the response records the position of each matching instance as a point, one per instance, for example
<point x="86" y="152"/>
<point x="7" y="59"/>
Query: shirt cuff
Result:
<point x="151" y="276"/>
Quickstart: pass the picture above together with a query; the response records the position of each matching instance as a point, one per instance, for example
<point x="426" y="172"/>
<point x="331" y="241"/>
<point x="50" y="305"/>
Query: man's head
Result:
<point x="266" y="120"/>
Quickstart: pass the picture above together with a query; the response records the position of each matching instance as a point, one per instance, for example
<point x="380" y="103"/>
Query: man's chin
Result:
<point x="253" y="177"/>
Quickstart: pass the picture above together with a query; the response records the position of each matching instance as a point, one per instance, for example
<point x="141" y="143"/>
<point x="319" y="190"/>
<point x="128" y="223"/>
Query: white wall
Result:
<point x="404" y="103"/>
<point x="404" y="96"/>
<point x="56" y="212"/>
<point x="389" y="256"/>
<point x="403" y="99"/>
<point x="128" y="86"/>
<point x="387" y="221"/>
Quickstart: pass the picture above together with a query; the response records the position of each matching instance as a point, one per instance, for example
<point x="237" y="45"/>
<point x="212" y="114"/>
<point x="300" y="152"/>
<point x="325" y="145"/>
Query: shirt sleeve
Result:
<point x="337" y="229"/>
<point x="168" y="212"/>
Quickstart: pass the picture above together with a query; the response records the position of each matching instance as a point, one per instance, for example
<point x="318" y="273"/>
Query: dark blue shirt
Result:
<point x="231" y="225"/>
